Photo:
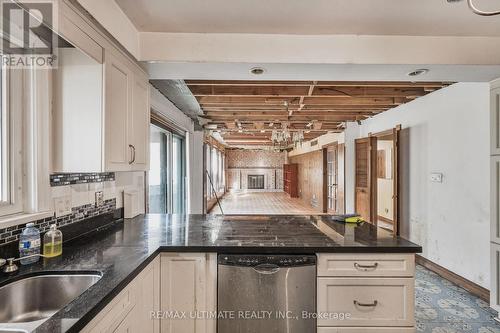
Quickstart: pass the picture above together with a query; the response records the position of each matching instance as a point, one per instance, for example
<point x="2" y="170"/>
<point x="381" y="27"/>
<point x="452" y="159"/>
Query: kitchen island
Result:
<point x="164" y="249"/>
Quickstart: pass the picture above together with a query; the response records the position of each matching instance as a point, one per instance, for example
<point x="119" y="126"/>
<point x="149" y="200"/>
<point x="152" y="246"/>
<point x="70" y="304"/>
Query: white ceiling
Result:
<point x="358" y="17"/>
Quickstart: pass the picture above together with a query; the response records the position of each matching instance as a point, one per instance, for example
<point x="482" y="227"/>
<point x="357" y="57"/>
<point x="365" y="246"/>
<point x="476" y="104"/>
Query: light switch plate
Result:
<point x="62" y="206"/>
<point x="99" y="199"/>
<point x="436" y="177"/>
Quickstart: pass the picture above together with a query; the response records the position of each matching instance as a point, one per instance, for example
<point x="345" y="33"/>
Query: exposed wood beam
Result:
<point x="331" y="91"/>
<point x="245" y="111"/>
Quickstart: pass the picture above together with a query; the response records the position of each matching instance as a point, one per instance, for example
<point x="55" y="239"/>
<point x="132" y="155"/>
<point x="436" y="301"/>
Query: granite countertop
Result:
<point x="122" y="250"/>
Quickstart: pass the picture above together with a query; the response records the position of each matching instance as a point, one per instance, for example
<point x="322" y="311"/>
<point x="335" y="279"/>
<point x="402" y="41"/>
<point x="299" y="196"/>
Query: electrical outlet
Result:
<point x="436" y="177"/>
<point x="62" y="206"/>
<point x="99" y="199"/>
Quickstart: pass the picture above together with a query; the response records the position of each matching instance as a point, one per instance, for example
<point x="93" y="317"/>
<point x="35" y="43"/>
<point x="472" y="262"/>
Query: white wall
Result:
<point x="447" y="132"/>
<point x="194" y="149"/>
<point x="322" y="140"/>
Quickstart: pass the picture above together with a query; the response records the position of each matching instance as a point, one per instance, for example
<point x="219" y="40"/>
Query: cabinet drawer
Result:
<point x="114" y="313"/>
<point x="366" y="329"/>
<point x="379" y="265"/>
<point x="368" y="301"/>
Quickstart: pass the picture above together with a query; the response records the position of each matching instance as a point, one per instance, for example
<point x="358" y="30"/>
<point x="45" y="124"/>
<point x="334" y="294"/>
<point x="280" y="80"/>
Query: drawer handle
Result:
<point x="365" y="267"/>
<point x="266" y="269"/>
<point x="371" y="305"/>
<point x="133" y="154"/>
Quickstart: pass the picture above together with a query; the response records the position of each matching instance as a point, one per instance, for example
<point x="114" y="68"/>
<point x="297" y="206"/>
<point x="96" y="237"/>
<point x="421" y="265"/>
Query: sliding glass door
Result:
<point x="178" y="202"/>
<point x="166" y="176"/>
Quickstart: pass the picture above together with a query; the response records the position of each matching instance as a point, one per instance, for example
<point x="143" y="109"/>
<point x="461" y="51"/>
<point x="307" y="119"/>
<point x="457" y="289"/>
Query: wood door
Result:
<point x="395" y="177"/>
<point x="341" y="178"/>
<point x="366" y="181"/>
<point x="331" y="179"/>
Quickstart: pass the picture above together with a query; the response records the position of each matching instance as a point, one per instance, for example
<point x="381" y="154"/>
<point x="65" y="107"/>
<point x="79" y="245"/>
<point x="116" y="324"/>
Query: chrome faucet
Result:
<point x="11" y="267"/>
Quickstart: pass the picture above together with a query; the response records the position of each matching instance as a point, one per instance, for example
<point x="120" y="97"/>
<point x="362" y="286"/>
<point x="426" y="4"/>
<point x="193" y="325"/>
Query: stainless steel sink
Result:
<point x="36" y="298"/>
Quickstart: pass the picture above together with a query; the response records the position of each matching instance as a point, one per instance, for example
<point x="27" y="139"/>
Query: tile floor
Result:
<point x="442" y="307"/>
<point x="269" y="203"/>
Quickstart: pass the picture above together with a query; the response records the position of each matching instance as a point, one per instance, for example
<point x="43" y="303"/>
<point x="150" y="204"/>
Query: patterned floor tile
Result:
<point x="443" y="307"/>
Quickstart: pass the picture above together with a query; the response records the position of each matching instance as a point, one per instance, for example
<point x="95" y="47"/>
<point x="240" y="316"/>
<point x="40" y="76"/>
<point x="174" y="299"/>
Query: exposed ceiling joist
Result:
<point x="248" y="111"/>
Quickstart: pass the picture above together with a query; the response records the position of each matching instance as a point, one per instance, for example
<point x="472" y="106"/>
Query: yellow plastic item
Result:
<point x="355" y="219"/>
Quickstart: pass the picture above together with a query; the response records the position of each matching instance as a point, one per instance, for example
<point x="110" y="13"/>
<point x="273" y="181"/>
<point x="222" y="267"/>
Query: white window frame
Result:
<point x="28" y="103"/>
<point x="12" y="134"/>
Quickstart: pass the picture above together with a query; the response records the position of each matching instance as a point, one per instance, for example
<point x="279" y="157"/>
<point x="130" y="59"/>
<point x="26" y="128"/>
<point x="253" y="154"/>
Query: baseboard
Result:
<point x="460" y="281"/>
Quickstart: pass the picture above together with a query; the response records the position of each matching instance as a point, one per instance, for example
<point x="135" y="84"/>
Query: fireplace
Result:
<point x="255" y="182"/>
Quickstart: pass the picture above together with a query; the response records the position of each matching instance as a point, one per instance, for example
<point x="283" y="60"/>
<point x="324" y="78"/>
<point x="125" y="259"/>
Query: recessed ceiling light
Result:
<point x="418" y="72"/>
<point x="257" y="70"/>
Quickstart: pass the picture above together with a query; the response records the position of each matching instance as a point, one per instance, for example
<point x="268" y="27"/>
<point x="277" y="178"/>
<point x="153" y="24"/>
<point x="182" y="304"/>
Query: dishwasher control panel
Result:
<point x="281" y="260"/>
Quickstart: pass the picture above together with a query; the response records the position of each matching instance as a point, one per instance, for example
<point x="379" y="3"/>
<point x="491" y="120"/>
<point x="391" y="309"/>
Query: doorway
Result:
<point x="334" y="178"/>
<point x="166" y="177"/>
<point x="377" y="178"/>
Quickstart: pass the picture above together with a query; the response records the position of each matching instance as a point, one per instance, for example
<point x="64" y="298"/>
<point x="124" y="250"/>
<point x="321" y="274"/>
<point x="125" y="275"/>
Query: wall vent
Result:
<point x="314" y="143"/>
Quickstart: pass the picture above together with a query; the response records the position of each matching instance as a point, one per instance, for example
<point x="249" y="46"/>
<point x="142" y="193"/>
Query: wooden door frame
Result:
<point x="372" y="177"/>
<point x="394" y="133"/>
<point x="325" y="173"/>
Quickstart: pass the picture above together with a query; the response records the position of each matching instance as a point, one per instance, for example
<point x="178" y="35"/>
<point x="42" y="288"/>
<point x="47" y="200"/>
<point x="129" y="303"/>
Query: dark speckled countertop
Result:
<point x="121" y="251"/>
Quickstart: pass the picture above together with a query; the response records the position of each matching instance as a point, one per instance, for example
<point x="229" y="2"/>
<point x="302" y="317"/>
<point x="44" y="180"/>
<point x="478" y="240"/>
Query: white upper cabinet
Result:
<point x="101" y="103"/>
<point x="139" y="123"/>
<point x="127" y="116"/>
<point x="77" y="111"/>
<point x="118" y="78"/>
<point x="495" y="119"/>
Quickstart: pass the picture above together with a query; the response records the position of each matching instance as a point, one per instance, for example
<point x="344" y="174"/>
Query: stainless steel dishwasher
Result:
<point x="266" y="293"/>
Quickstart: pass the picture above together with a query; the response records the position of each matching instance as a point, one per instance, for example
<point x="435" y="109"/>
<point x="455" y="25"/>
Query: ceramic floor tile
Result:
<point x="272" y="203"/>
<point x="443" y="307"/>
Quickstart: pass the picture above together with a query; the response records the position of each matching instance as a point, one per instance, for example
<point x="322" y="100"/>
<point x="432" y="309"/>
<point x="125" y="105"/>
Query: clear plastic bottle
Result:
<point x="29" y="244"/>
<point x="52" y="242"/>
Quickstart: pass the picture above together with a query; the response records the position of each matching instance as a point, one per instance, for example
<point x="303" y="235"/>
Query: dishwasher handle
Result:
<point x="266" y="269"/>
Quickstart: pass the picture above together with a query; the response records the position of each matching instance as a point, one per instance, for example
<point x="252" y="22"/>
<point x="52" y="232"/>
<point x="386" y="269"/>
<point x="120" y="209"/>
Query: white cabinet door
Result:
<point x="130" y="311"/>
<point x="495" y="121"/>
<point x="129" y="325"/>
<point x="188" y="287"/>
<point x="148" y="302"/>
<point x="495" y="278"/>
<point x="118" y="81"/>
<point x="495" y="197"/>
<point x="139" y="124"/>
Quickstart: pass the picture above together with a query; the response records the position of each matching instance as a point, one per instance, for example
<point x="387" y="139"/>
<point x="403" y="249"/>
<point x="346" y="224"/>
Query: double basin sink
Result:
<point x="28" y="301"/>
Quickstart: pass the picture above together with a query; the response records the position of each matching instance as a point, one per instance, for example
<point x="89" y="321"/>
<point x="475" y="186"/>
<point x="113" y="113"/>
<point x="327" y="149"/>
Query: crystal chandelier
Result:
<point x="298" y="138"/>
<point x="281" y="137"/>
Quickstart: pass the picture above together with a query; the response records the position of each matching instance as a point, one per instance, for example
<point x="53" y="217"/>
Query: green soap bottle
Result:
<point x="52" y="242"/>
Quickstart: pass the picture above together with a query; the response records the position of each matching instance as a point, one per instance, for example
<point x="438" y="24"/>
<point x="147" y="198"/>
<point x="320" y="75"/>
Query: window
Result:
<point x="10" y="142"/>
<point x="215" y="175"/>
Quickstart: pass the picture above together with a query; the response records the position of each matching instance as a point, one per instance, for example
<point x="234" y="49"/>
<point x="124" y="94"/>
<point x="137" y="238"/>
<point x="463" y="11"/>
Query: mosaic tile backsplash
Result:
<point x="59" y="179"/>
<point x="11" y="234"/>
